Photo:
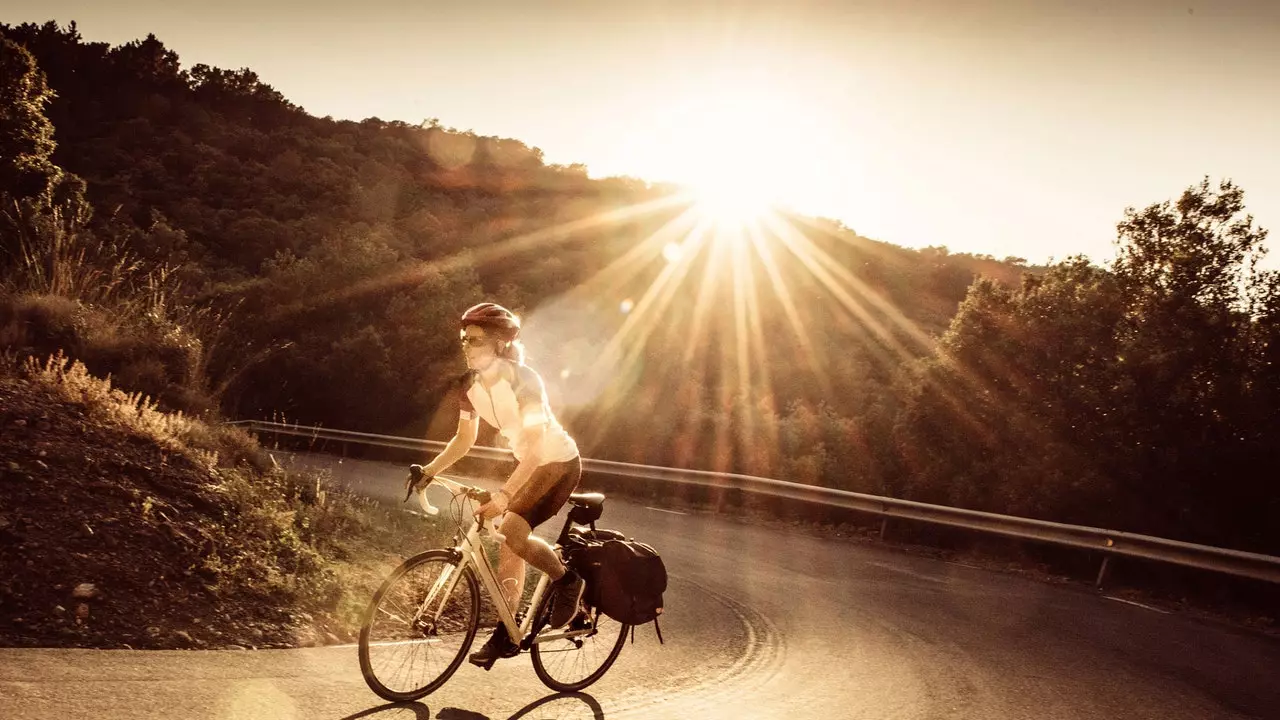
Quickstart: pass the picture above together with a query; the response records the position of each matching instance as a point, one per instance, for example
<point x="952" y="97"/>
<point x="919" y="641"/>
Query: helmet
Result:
<point x="494" y="317"/>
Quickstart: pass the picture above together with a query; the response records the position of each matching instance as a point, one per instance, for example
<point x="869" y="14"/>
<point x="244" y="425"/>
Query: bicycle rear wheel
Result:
<point x="419" y="626"/>
<point x="571" y="664"/>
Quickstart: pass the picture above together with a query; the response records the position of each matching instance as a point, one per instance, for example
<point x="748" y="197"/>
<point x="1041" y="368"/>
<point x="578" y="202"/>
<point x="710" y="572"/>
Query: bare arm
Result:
<point x="459" y="445"/>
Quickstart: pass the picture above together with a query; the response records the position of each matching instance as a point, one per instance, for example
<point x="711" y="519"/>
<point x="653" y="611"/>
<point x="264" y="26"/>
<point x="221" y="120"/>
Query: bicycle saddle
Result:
<point x="589" y="500"/>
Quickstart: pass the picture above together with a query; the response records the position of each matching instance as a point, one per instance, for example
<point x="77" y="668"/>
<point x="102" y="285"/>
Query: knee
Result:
<point x="517" y="544"/>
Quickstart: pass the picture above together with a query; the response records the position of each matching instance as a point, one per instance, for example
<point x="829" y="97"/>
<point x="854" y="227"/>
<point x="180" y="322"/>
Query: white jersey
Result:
<point x="512" y="407"/>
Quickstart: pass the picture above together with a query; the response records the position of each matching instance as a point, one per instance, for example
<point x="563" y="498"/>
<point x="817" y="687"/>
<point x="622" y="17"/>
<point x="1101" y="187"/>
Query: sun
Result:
<point x="741" y="147"/>
<point x="731" y="203"/>
<point x="730" y="182"/>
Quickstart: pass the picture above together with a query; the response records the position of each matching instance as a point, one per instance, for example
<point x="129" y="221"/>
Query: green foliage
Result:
<point x="315" y="241"/>
<point x="1140" y="396"/>
<point x="26" y="135"/>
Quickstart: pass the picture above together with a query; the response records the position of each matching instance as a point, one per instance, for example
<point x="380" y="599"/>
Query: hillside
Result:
<point x="335" y="252"/>
<point x="124" y="526"/>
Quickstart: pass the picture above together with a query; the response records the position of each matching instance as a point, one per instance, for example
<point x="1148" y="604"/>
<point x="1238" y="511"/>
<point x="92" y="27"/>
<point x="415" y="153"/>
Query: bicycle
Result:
<point x="425" y="615"/>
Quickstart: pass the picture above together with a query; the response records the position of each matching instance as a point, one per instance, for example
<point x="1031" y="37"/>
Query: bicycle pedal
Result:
<point x="484" y="665"/>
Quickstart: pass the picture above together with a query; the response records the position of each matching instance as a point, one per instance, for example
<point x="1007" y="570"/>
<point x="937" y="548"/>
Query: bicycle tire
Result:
<point x="468" y="580"/>
<point x="544" y="673"/>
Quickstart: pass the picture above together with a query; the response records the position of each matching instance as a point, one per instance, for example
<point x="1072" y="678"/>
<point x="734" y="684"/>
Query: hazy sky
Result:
<point x="1012" y="128"/>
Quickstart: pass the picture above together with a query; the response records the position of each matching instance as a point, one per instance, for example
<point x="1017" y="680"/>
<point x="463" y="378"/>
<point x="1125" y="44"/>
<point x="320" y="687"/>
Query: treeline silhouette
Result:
<point x="209" y="243"/>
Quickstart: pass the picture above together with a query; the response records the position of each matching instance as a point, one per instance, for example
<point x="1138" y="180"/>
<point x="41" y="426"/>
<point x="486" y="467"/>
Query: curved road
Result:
<point x="759" y="624"/>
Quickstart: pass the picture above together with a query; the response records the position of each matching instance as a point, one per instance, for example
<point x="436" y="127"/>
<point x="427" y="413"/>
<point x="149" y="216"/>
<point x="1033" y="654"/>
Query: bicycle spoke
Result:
<point x="409" y="646"/>
<point x="568" y="662"/>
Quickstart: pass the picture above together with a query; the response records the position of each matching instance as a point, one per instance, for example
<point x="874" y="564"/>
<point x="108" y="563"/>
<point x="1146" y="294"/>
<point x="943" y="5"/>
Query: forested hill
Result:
<point x="370" y="233"/>
<point x="233" y="253"/>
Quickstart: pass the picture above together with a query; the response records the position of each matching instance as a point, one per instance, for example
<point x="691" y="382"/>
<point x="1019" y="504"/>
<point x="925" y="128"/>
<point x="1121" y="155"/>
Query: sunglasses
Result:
<point x="473" y="340"/>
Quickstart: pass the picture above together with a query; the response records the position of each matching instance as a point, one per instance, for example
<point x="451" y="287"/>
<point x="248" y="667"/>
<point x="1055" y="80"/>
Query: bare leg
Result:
<point x="510" y="576"/>
<point x="531" y="548"/>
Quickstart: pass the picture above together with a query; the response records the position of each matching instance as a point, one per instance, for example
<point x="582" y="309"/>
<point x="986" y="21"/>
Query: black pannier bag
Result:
<point x="625" y="578"/>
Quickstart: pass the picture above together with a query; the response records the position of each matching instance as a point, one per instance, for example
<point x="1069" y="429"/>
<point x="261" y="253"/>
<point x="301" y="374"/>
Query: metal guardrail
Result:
<point x="1107" y="542"/>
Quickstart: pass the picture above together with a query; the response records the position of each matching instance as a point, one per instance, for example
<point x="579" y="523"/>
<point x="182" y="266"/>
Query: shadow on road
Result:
<point x="396" y="711"/>
<point x="561" y="706"/>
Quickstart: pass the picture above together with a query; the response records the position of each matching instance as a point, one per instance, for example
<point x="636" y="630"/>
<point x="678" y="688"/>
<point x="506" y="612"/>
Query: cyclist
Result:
<point x="507" y="394"/>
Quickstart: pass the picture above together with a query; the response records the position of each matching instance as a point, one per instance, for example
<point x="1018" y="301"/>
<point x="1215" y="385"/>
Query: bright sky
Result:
<point x="986" y="126"/>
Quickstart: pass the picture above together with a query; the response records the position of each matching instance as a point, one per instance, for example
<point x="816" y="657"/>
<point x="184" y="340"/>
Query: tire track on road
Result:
<point x="761" y="656"/>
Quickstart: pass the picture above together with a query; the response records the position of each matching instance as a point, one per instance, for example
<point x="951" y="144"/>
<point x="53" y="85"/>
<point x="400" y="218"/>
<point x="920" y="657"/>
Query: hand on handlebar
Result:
<point x="493" y="506"/>
<point x="418" y="479"/>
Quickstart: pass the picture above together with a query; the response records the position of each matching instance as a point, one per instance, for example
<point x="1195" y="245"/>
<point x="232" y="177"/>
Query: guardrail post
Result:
<point x="884" y="525"/>
<point x="1102" y="571"/>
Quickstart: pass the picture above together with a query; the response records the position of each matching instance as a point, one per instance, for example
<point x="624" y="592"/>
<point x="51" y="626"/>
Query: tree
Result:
<point x="1141" y="396"/>
<point x="1196" y="359"/>
<point x="26" y="135"/>
<point x="1198" y="250"/>
<point x="38" y="201"/>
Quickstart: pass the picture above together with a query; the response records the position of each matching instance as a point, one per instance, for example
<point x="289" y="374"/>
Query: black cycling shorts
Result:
<point x="546" y="491"/>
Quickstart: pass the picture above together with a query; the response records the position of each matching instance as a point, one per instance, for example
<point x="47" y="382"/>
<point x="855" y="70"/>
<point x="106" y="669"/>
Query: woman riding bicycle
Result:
<point x="500" y="389"/>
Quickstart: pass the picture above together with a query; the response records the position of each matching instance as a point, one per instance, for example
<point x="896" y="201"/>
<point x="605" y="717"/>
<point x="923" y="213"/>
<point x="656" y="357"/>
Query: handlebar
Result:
<point x="418" y="476"/>
<point x="420" y="483"/>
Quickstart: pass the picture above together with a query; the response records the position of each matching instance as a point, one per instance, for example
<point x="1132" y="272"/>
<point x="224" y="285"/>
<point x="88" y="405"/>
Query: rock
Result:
<point x="197" y="621"/>
<point x="85" y="591"/>
<point x="20" y="423"/>
<point x="42" y="465"/>
<point x="59" y="609"/>
<point x="43" y="426"/>
<point x="86" y="530"/>
<point x="82" y="613"/>
<point x="233" y="647"/>
<point x="153" y="631"/>
<point x="14" y="467"/>
<point x="184" y="636"/>
<point x="333" y="639"/>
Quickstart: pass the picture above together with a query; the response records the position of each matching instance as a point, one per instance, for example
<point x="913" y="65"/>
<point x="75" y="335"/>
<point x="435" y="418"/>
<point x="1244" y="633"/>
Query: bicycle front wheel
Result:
<point x="419" y="626"/>
<point x="569" y="664"/>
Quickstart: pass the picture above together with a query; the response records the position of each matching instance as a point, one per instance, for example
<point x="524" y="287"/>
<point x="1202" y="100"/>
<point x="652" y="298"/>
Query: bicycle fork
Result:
<point x="442" y="587"/>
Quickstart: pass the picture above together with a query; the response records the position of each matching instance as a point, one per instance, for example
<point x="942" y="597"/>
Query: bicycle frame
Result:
<point x="471" y="553"/>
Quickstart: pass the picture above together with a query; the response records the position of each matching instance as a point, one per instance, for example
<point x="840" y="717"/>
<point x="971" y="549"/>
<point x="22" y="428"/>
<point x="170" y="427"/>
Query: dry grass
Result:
<point x="56" y="254"/>
<point x="264" y="547"/>
<point x="64" y="288"/>
<point x="137" y="413"/>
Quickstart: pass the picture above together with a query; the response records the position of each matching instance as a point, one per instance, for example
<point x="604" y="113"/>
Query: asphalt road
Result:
<point x="759" y="624"/>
